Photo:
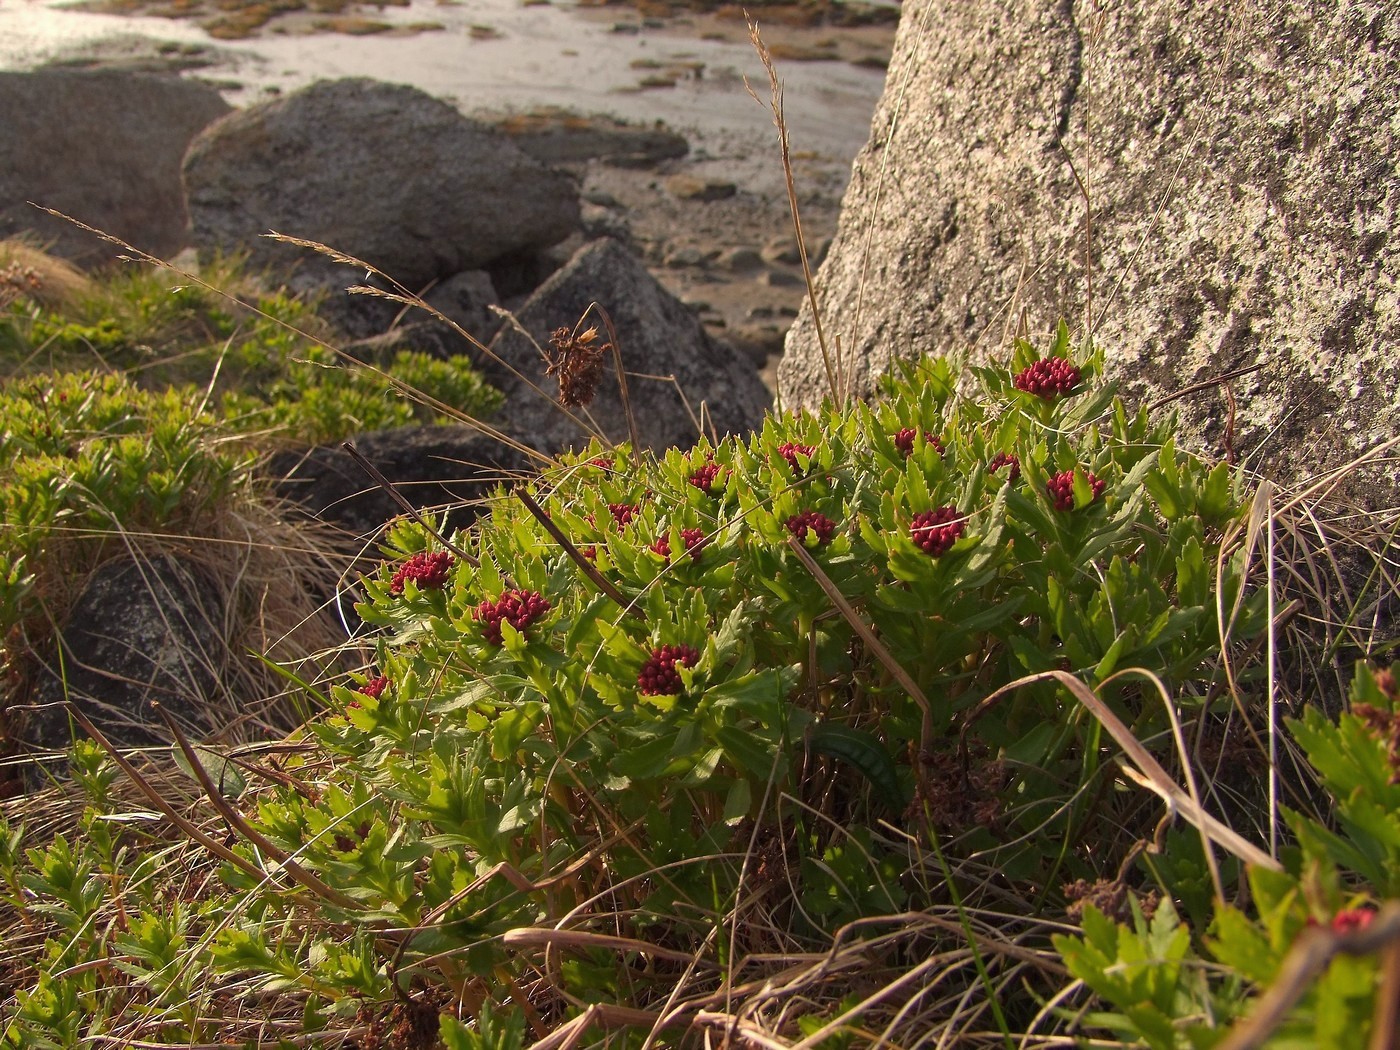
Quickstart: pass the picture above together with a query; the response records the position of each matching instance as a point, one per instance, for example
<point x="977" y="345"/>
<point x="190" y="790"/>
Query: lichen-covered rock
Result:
<point x="659" y="337"/>
<point x="142" y="631"/>
<point x="104" y="147"/>
<point x="1242" y="195"/>
<point x="382" y="172"/>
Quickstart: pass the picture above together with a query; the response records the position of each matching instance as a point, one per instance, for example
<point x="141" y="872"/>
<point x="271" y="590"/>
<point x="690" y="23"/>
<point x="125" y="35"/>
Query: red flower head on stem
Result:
<point x="694" y="540"/>
<point x="1061" y="489"/>
<point x="518" y="608"/>
<point x="935" y="531"/>
<point x="623" y="513"/>
<point x="1050" y="378"/>
<point x="1009" y="460"/>
<point x="790" y="450"/>
<point x="428" y="571"/>
<point x="659" y="676"/>
<point x="375" y="687"/>
<point x="904" y="441"/>
<point x="814" y="522"/>
<point x="705" y="477"/>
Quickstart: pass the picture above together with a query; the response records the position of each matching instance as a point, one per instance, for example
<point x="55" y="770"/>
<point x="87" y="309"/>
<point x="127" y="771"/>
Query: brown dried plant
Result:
<point x="575" y="360"/>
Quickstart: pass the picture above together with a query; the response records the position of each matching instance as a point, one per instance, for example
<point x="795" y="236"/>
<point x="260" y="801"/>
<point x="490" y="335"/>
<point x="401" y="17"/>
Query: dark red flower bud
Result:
<point x="623" y="513"/>
<point x="518" y="608"/>
<point x="819" y="524"/>
<point x="1352" y="920"/>
<point x="1049" y="378"/>
<point x="694" y="540"/>
<point x="1009" y="460"/>
<point x="904" y="441"/>
<point x="704" y="478"/>
<point x="428" y="571"/>
<point x="374" y="687"/>
<point x="659" y="676"/>
<point x="790" y="450"/>
<point x="1061" y="489"/>
<point x="935" y="531"/>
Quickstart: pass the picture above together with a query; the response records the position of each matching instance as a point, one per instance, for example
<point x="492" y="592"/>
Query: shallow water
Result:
<point x="548" y="55"/>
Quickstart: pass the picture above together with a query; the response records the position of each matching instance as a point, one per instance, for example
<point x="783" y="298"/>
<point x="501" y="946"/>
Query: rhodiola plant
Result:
<point x="647" y="694"/>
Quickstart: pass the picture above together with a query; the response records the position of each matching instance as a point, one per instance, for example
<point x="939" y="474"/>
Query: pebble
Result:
<point x="782" y="250"/>
<point x="780" y="279"/>
<point x="683" y="257"/>
<point x="688" y="187"/>
<point x="739" y="259"/>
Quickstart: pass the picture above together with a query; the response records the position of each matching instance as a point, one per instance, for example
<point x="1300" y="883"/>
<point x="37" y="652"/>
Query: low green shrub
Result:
<point x="135" y="411"/>
<point x="1313" y="917"/>
<point x="665" y="730"/>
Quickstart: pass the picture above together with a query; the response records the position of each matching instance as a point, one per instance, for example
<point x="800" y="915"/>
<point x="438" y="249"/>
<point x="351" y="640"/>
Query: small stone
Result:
<point x="602" y="198"/>
<point x="780" y="279"/>
<point x="739" y="259"/>
<point x="759" y="313"/>
<point x="782" y="250"/>
<point x="688" y="256"/>
<point x="688" y="187"/>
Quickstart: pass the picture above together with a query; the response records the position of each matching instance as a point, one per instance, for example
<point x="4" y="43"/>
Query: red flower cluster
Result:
<point x="1006" y="459"/>
<point x="1352" y="920"/>
<point x="518" y="608"/>
<point x="1061" y="489"/>
<point x="694" y="540"/>
<point x="623" y="513"/>
<point x="819" y="524"/>
<point x="704" y="478"/>
<point x="428" y="571"/>
<point x="1049" y="378"/>
<point x="659" y="676"/>
<point x="601" y="461"/>
<point x="790" y="450"/>
<point x="935" y="531"/>
<point x="904" y="441"/>
<point x="375" y="687"/>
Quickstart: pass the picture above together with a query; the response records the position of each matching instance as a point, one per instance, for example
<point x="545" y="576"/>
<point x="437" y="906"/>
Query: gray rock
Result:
<point x="141" y="632"/>
<point x="1243" y="182"/>
<point x="556" y="136"/>
<point x="381" y="172"/>
<point x="430" y="337"/>
<point x="782" y="250"/>
<point x="431" y="466"/>
<point x="103" y="147"/>
<point x="466" y="299"/>
<point x="690" y="188"/>
<point x="739" y="260"/>
<point x="757" y="342"/>
<point x="781" y="279"/>
<point x="658" y="336"/>
<point x="684" y="256"/>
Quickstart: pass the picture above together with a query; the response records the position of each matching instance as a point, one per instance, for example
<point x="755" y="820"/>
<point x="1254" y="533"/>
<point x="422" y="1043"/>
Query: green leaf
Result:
<point x="512" y="727"/>
<point x="227" y="778"/>
<point x="865" y="752"/>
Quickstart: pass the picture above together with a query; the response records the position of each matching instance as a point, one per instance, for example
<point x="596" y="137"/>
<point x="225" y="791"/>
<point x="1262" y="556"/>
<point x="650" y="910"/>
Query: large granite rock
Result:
<point x="658" y="335"/>
<point x="103" y="147"/>
<point x="1241" y="168"/>
<point x="381" y="172"/>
